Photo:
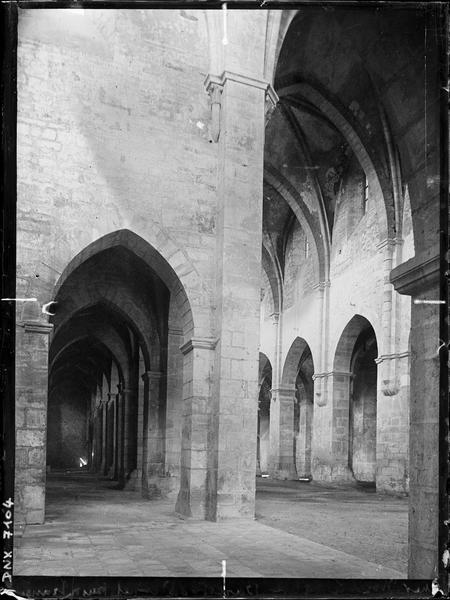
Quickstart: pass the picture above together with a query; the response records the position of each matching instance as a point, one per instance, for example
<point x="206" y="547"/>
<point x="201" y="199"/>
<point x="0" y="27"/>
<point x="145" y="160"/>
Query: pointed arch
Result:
<point x="298" y="349"/>
<point x="171" y="270"/>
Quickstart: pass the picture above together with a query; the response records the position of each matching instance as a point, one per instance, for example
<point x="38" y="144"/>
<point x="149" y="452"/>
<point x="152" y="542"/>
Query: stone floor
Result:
<point x="301" y="530"/>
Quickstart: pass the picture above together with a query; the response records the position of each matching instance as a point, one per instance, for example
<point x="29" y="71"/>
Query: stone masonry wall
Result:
<point x="112" y="134"/>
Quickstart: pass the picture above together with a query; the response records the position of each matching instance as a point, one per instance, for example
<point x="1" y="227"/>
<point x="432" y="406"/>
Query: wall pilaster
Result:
<point x="419" y="278"/>
<point x="281" y="465"/>
<point x="330" y="450"/>
<point x="152" y="446"/>
<point x="31" y="419"/>
<point x="196" y="496"/>
<point x="239" y="240"/>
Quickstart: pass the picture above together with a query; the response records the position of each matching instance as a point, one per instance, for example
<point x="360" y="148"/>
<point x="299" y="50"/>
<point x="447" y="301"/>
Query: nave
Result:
<point x="301" y="530"/>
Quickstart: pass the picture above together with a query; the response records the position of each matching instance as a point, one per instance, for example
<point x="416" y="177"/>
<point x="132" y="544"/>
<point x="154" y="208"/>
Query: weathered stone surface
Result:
<point x="144" y="200"/>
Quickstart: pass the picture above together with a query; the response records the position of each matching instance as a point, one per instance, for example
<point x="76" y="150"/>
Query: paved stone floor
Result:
<point x="301" y="530"/>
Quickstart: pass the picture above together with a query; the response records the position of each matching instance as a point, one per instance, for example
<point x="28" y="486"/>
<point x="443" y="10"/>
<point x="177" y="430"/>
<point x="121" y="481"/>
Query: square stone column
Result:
<point x="153" y="436"/>
<point x="140" y="432"/>
<point x="174" y="409"/>
<point x="392" y="472"/>
<point x="419" y="278"/>
<point x="198" y="435"/>
<point x="97" y="444"/>
<point x="330" y="437"/>
<point x="104" y="409"/>
<point x="111" y="433"/>
<point x="31" y="420"/>
<point x="130" y="397"/>
<point x="282" y="464"/>
<point x="120" y="412"/>
<point x="304" y="438"/>
<point x="240" y="129"/>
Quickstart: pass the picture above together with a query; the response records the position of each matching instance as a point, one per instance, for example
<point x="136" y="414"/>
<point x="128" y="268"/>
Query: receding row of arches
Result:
<point x="354" y="396"/>
<point x="116" y="378"/>
<point x="115" y="366"/>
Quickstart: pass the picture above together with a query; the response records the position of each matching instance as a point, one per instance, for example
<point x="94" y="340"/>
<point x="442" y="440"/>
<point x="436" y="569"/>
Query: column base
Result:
<point x="134" y="481"/>
<point x="228" y="507"/>
<point x="395" y="483"/>
<point x="286" y="471"/>
<point x="192" y="501"/>
<point x="283" y="474"/>
<point x="331" y="472"/>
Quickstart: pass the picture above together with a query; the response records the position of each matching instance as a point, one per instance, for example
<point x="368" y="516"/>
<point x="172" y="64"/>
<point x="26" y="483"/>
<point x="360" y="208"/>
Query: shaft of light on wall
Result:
<point x="225" y="33"/>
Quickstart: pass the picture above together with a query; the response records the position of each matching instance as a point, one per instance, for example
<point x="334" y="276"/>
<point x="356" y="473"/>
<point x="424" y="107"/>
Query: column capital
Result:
<point x="395" y="356"/>
<point x="331" y="374"/>
<point x="321" y="285"/>
<point x="175" y="331"/>
<point x="283" y="391"/>
<point x="218" y="81"/>
<point x="151" y="375"/>
<point x="417" y="275"/>
<point x="204" y="343"/>
<point x="214" y="87"/>
<point x="389" y="243"/>
<point x="126" y="390"/>
<point x="36" y="327"/>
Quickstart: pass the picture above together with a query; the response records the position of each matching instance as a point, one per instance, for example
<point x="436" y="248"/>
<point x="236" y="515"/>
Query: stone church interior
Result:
<point x="229" y="218"/>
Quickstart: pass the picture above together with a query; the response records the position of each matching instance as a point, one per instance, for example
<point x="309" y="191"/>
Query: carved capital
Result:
<point x="199" y="342"/>
<point x="175" y="331"/>
<point x="275" y="316"/>
<point x="320" y="376"/>
<point x="152" y="376"/>
<point x="36" y="327"/>
<point x="128" y="391"/>
<point x="214" y="87"/>
<point x="389" y="243"/>
<point x="388" y="357"/>
<point x="390" y="387"/>
<point x="283" y="391"/>
<point x="322" y="285"/>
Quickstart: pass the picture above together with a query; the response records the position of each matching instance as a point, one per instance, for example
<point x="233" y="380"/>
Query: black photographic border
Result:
<point x="157" y="587"/>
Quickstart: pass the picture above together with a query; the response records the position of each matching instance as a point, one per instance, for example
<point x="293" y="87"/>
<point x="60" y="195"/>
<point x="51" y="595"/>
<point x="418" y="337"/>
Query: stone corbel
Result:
<point x="204" y="343"/>
<point x="390" y="387"/>
<point x="214" y="87"/>
<point x="320" y="382"/>
<point x="390" y="384"/>
<point x="319" y="386"/>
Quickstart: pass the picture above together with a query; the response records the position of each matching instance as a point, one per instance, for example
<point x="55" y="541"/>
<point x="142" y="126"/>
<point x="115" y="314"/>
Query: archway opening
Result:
<point x="363" y="408"/>
<point x="303" y="415"/>
<point x="264" y="399"/>
<point x="115" y="367"/>
<point x="298" y="386"/>
<point x="355" y="399"/>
